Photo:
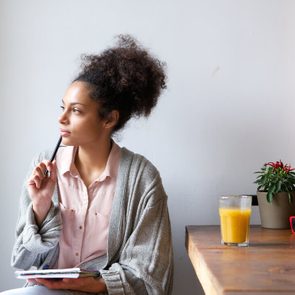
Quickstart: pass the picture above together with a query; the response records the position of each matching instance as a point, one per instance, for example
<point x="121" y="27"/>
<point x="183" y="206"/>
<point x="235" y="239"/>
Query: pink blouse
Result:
<point x="85" y="210"/>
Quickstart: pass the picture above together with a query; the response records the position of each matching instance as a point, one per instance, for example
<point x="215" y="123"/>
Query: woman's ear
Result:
<point x="112" y="119"/>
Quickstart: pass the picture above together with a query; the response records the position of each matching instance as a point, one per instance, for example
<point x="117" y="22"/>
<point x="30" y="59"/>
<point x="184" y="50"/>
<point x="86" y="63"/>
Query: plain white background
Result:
<point x="228" y="109"/>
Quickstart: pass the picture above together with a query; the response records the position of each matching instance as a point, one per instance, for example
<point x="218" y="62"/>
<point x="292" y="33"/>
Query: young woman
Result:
<point x="102" y="207"/>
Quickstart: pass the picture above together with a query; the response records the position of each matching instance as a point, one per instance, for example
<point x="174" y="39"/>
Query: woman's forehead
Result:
<point x="78" y="93"/>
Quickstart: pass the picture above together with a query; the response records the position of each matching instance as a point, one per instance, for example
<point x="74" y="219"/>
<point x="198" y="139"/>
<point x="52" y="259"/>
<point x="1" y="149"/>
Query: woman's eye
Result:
<point x="75" y="110"/>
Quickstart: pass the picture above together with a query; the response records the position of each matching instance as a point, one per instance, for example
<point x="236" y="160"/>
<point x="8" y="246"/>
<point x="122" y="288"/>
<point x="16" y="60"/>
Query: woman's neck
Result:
<point x="91" y="160"/>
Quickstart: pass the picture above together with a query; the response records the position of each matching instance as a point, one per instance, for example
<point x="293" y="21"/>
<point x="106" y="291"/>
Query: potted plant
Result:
<point x="276" y="194"/>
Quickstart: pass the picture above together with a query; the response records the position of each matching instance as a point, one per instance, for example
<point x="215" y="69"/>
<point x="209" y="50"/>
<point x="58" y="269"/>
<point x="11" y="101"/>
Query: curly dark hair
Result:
<point x="126" y="78"/>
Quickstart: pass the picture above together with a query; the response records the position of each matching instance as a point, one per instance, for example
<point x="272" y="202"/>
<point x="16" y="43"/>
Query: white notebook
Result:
<point x="55" y="273"/>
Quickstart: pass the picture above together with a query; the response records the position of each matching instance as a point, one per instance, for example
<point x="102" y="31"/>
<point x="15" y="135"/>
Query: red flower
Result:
<point x="279" y="164"/>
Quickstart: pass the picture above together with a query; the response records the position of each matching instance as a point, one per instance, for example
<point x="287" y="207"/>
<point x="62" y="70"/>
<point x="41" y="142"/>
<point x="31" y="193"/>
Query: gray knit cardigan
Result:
<point x="139" y="256"/>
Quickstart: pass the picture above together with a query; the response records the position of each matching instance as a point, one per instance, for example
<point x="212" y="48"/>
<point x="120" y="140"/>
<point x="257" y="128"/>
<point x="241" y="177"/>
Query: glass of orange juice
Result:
<point x="235" y="212"/>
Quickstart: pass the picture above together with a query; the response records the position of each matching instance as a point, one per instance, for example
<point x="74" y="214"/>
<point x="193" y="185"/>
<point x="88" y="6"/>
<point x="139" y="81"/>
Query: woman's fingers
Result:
<point x="39" y="173"/>
<point x="51" y="166"/>
<point x="53" y="283"/>
<point x="36" y="181"/>
<point x="41" y="168"/>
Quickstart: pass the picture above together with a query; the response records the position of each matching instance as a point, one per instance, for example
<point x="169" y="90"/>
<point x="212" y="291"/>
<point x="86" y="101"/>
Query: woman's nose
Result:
<point x="63" y="118"/>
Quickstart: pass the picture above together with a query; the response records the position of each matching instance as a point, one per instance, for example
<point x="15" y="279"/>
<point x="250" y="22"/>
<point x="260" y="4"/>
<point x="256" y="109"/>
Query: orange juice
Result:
<point x="234" y="225"/>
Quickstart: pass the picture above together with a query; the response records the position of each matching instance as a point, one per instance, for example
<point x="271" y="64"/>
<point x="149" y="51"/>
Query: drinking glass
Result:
<point x="235" y="212"/>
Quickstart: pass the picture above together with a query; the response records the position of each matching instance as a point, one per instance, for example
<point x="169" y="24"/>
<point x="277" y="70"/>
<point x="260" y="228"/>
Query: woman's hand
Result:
<point x="90" y="284"/>
<point x="41" y="187"/>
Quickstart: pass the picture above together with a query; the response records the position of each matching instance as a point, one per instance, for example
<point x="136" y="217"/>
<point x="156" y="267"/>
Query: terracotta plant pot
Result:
<point x="276" y="214"/>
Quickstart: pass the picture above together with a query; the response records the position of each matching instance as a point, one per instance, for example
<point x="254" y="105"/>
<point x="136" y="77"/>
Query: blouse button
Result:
<point x="80" y="227"/>
<point x="77" y="254"/>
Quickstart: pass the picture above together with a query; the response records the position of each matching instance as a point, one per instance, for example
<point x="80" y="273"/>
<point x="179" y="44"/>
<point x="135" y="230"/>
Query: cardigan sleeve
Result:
<point x="145" y="265"/>
<point x="34" y="244"/>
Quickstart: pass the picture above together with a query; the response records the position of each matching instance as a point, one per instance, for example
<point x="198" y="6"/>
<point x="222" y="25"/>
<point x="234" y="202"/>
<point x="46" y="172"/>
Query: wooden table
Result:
<point x="267" y="266"/>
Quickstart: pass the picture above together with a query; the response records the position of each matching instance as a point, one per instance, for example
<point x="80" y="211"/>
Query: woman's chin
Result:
<point x="67" y="141"/>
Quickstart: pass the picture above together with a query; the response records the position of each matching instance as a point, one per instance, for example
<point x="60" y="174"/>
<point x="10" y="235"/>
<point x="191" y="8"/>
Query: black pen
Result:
<point x="46" y="173"/>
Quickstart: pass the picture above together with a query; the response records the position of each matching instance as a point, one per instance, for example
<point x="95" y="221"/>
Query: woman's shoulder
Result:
<point x="137" y="163"/>
<point x="142" y="175"/>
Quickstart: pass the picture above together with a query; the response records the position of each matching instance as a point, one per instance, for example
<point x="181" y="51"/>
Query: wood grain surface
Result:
<point x="267" y="266"/>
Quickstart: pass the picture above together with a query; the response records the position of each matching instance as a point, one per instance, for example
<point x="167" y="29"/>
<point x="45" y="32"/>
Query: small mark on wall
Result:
<point x="215" y="71"/>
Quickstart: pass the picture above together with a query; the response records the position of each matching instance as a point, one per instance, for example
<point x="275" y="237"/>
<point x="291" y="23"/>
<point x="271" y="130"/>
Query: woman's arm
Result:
<point x="40" y="188"/>
<point x="35" y="243"/>
<point x="93" y="285"/>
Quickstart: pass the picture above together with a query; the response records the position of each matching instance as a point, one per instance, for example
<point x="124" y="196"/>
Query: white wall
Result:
<point x="228" y="109"/>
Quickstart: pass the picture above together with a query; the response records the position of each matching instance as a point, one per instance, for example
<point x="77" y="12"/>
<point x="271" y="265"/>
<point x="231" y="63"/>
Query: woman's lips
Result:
<point x="65" y="133"/>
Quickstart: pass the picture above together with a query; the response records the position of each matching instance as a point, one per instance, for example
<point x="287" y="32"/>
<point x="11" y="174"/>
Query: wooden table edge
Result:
<point x="208" y="281"/>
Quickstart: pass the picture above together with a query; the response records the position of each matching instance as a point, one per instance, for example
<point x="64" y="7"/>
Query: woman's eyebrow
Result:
<point x="74" y="103"/>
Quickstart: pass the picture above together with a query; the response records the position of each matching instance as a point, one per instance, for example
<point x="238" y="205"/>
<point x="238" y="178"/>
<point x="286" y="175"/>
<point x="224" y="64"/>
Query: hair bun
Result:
<point x="125" y="77"/>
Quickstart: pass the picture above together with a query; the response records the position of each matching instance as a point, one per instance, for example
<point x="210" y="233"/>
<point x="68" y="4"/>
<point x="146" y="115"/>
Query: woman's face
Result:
<point x="80" y="123"/>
